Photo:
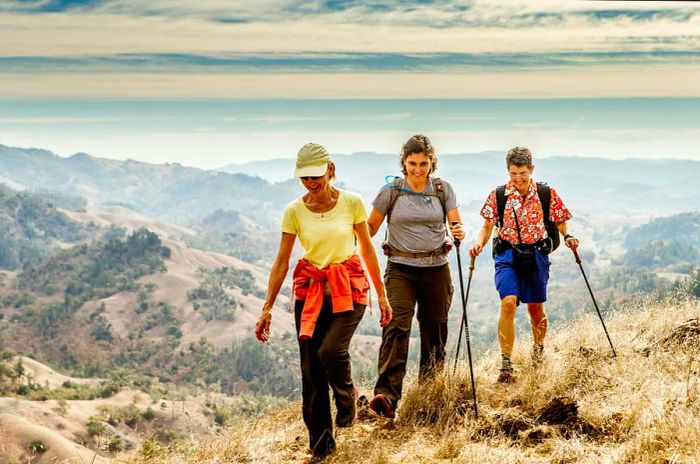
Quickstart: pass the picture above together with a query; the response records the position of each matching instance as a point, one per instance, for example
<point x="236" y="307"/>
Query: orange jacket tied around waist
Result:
<point x="347" y="282"/>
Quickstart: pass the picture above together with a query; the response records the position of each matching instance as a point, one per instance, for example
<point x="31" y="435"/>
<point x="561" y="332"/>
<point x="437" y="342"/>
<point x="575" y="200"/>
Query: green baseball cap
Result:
<point x="312" y="161"/>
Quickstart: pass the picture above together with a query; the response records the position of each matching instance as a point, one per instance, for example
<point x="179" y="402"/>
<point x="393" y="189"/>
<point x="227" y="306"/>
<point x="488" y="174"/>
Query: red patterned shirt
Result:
<point x="530" y="215"/>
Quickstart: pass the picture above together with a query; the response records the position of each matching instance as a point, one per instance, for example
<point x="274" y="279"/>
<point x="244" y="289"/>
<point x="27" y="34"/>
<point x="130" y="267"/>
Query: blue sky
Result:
<point x="123" y="78"/>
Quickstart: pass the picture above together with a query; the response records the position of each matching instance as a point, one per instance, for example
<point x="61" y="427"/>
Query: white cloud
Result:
<point x="122" y="27"/>
<point x="592" y="81"/>
<point x="299" y="28"/>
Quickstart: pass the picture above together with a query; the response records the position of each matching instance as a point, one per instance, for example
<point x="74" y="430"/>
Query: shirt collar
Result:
<point x="510" y="189"/>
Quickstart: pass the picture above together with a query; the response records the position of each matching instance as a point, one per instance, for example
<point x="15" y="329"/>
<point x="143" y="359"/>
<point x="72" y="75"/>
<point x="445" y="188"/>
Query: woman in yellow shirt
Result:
<point x="330" y="289"/>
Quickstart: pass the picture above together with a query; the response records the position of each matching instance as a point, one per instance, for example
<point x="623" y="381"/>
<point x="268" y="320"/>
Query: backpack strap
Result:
<point x="394" y="193"/>
<point x="545" y="198"/>
<point x="500" y="203"/>
<point x="545" y="195"/>
<point x="439" y="189"/>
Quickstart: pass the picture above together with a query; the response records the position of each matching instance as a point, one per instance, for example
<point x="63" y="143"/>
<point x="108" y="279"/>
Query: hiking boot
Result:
<point x="537" y="355"/>
<point x="383" y="406"/>
<point x="355" y="401"/>
<point x="323" y="448"/>
<point x="506" y="377"/>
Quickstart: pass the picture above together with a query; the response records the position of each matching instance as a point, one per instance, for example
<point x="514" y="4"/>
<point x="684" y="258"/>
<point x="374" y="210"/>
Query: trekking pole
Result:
<point x="465" y="299"/>
<point x="578" y="261"/>
<point x="465" y="323"/>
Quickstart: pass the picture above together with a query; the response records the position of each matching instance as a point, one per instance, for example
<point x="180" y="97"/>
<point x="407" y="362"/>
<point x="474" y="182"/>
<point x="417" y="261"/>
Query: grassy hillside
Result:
<point x="128" y="305"/>
<point x="581" y="405"/>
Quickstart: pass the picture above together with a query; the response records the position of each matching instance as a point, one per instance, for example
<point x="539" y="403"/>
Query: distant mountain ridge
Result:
<point x="261" y="189"/>
<point x="167" y="191"/>
<point x="663" y="186"/>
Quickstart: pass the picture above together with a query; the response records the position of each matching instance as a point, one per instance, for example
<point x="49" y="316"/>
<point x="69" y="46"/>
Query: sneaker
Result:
<point x="506" y="377"/>
<point x="381" y="405"/>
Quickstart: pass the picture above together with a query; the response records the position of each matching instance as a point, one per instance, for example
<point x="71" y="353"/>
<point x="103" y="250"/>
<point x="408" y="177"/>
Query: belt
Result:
<point x="390" y="251"/>
<point x="543" y="245"/>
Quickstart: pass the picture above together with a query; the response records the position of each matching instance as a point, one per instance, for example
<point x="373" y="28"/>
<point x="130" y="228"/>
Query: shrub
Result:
<point x="149" y="414"/>
<point x="95" y="427"/>
<point x="115" y="444"/>
<point x="37" y="447"/>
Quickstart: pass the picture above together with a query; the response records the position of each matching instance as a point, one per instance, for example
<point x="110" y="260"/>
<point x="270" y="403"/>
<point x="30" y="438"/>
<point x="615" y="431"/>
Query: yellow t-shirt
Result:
<point x="327" y="238"/>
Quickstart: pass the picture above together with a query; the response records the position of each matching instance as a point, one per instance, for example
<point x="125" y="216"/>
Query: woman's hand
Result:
<point x="458" y="231"/>
<point x="475" y="250"/>
<point x="385" y="312"/>
<point x="262" y="327"/>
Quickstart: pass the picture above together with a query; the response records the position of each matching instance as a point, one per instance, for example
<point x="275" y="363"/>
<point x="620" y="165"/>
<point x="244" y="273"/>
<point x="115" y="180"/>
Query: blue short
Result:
<point x="529" y="288"/>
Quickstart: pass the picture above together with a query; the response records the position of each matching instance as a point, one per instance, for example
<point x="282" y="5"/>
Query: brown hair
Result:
<point x="519" y="156"/>
<point x="418" y="144"/>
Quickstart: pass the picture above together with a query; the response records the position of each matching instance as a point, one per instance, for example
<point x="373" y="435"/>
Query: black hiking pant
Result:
<point x="325" y="361"/>
<point x="431" y="288"/>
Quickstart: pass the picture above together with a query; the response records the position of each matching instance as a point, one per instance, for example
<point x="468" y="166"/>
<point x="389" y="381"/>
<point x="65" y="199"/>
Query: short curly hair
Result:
<point x="418" y="144"/>
<point x="519" y="156"/>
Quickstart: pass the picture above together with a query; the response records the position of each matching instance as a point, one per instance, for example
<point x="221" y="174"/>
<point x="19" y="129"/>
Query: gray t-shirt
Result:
<point x="417" y="223"/>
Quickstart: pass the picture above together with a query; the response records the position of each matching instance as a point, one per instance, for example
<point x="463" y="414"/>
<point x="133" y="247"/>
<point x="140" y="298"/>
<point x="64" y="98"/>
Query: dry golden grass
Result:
<point x="580" y="405"/>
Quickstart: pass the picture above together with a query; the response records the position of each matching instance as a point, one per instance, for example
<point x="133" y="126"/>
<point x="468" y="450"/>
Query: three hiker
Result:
<point x="330" y="289"/>
<point x="417" y="272"/>
<point x="521" y="250"/>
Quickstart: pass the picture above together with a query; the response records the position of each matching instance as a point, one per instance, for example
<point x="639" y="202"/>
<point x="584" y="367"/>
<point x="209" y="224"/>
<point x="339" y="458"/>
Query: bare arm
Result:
<point x="481" y="239"/>
<point x="369" y="256"/>
<point x="571" y="242"/>
<point x="374" y="222"/>
<point x="457" y="230"/>
<point x="277" y="274"/>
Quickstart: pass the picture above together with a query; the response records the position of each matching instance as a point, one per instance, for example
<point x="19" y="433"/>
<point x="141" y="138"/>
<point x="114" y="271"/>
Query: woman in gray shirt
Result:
<point x="417" y="273"/>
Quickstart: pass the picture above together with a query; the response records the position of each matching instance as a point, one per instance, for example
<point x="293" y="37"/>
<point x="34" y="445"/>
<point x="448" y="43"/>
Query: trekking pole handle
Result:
<point x="472" y="263"/>
<point x="456" y="241"/>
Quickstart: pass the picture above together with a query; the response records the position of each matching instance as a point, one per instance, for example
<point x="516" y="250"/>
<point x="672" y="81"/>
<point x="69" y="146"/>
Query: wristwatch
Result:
<point x="568" y="236"/>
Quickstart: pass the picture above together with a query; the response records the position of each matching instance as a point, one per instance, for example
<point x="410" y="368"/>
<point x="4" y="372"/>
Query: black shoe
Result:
<point x="324" y="447"/>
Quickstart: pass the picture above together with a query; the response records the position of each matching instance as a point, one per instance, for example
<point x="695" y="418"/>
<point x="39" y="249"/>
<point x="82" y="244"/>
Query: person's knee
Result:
<point x="401" y="321"/>
<point x="332" y="354"/>
<point x="536" y="310"/>
<point x="508" y="306"/>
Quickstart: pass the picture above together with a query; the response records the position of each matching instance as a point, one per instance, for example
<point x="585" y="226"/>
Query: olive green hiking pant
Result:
<point x="430" y="288"/>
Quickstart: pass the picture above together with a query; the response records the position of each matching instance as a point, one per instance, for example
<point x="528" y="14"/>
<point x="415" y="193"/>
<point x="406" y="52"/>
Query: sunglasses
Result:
<point x="306" y="178"/>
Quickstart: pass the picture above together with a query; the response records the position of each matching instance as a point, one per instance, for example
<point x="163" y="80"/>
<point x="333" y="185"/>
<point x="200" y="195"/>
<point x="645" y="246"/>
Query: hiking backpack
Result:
<point x="543" y="192"/>
<point x="396" y="192"/>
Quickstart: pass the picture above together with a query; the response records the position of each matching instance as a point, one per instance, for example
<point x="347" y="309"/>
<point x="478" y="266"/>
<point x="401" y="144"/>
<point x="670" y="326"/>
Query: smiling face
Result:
<point x="417" y="166"/>
<point x="520" y="176"/>
<point x="319" y="184"/>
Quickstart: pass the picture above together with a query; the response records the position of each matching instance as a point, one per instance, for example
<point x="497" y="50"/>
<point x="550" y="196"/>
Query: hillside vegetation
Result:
<point x="580" y="405"/>
<point x="167" y="191"/>
<point x="31" y="227"/>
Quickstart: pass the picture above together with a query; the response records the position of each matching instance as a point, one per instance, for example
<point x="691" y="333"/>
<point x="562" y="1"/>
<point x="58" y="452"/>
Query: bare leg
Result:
<point x="506" y="324"/>
<point x="538" y="319"/>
